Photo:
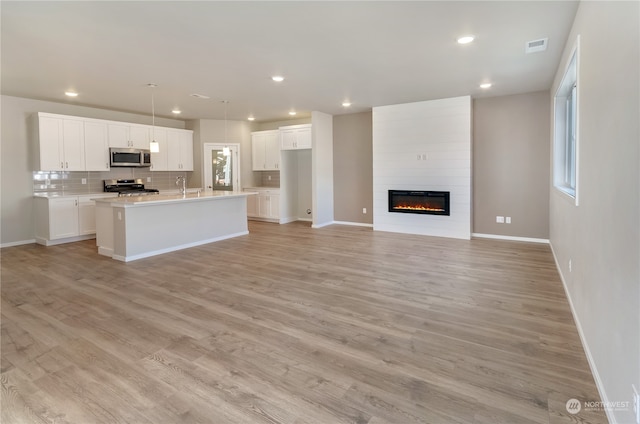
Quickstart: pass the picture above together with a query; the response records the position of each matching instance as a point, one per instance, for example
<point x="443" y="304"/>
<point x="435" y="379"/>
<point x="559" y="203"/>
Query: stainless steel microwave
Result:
<point x="132" y="158"/>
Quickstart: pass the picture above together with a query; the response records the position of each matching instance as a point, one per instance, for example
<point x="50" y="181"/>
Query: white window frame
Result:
<point x="566" y="130"/>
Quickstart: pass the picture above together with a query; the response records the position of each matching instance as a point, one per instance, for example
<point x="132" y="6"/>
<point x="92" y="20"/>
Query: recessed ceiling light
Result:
<point x="251" y="118"/>
<point x="277" y="78"/>
<point x="346" y="104"/>
<point x="486" y="85"/>
<point x="293" y="112"/>
<point x="176" y="111"/>
<point x="466" y="39"/>
<point x="71" y="93"/>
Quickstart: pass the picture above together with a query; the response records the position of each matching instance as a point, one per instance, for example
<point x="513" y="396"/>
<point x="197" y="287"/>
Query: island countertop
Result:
<point x="157" y="199"/>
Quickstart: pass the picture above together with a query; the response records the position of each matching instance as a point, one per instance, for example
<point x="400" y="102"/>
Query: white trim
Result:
<point x="510" y="238"/>
<point x="355" y="224"/>
<point x="174" y="248"/>
<point x="585" y="345"/>
<point x="17" y="243"/>
<point x="46" y="242"/>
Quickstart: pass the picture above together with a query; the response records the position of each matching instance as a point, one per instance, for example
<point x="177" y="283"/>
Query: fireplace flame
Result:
<point x="418" y="208"/>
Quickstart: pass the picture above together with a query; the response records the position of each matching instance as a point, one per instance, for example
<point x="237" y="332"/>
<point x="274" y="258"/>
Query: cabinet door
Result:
<point x="174" y="151"/>
<point x="159" y="160"/>
<point x="86" y="216"/>
<point x="252" y="205"/>
<point x="274" y="206"/>
<point x="288" y="139"/>
<point x="140" y="136"/>
<point x="264" y="205"/>
<point x="96" y="146"/>
<point x="186" y="151"/>
<point x="258" y="157"/>
<point x="51" y="147"/>
<point x="63" y="217"/>
<point x="303" y="138"/>
<point x="118" y="135"/>
<point x="73" y="142"/>
<point x="272" y="152"/>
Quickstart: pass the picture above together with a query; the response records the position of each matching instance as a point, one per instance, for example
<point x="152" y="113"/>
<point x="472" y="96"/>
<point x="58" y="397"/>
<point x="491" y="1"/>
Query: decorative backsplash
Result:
<point x="53" y="182"/>
<point x="274" y="181"/>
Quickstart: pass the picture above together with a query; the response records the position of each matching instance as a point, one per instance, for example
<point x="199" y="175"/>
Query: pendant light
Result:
<point x="225" y="150"/>
<point x="154" y="146"/>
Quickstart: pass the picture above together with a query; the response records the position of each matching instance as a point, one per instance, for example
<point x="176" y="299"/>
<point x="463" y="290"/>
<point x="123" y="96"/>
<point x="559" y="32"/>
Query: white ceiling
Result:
<point x="372" y="53"/>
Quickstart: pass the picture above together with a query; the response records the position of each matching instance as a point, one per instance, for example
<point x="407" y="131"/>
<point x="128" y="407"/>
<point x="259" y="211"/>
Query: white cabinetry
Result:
<point x="179" y="150"/>
<point x="135" y="136"/>
<point x="60" y="143"/>
<point x="96" y="146"/>
<point x="265" y="205"/>
<point x="65" y="219"/>
<point x="265" y="150"/>
<point x="295" y="137"/>
<point x="70" y="143"/>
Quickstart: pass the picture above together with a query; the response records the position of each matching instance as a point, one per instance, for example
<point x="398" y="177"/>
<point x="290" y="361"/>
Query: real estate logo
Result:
<point x="573" y="406"/>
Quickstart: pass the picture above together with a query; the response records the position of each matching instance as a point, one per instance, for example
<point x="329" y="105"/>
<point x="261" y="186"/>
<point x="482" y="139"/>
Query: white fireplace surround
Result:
<point x="423" y="146"/>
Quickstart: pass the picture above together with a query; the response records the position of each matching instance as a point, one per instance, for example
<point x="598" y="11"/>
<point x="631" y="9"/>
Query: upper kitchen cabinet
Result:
<point x="60" y="143"/>
<point x="96" y="146"/>
<point x="295" y="137"/>
<point x="135" y="136"/>
<point x="265" y="150"/>
<point x="159" y="160"/>
<point x="179" y="150"/>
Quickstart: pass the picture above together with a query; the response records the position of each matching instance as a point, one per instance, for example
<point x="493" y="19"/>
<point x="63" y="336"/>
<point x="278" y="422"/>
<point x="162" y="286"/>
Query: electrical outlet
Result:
<point x="148" y="179"/>
<point x="84" y="181"/>
<point x="500" y="219"/>
<point x="636" y="403"/>
<point x="364" y="210"/>
<point x="508" y="220"/>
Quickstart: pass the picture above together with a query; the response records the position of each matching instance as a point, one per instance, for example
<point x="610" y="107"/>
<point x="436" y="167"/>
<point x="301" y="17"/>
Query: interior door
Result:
<point x="222" y="167"/>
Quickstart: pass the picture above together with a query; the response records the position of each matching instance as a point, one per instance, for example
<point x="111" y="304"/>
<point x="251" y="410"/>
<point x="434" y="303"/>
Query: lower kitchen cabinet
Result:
<point x="265" y="206"/>
<point x="65" y="219"/>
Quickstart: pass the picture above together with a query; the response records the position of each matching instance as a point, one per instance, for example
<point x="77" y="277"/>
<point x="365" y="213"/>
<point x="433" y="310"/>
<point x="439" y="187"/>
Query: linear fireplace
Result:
<point x="421" y="202"/>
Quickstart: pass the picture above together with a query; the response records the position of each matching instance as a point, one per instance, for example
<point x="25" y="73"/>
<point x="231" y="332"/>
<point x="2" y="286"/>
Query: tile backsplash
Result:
<point x="269" y="178"/>
<point x="54" y="182"/>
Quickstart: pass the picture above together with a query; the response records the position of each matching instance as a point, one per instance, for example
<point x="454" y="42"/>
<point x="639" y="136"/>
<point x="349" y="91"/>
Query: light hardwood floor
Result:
<point x="292" y="325"/>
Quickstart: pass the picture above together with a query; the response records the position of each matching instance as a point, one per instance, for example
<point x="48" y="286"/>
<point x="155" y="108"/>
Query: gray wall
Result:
<point x="601" y="236"/>
<point x="16" y="176"/>
<point x="511" y="165"/>
<point x="353" y="167"/>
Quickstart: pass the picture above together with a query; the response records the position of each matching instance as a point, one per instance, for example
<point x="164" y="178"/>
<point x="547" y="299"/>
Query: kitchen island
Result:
<point x="130" y="228"/>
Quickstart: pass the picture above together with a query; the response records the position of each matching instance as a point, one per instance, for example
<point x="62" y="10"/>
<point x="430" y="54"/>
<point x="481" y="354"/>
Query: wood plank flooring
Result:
<point x="292" y="325"/>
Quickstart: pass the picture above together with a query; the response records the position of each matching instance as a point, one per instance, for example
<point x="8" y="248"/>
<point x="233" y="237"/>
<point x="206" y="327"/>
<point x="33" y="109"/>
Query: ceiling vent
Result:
<point x="199" y="96"/>
<point x="536" y="45"/>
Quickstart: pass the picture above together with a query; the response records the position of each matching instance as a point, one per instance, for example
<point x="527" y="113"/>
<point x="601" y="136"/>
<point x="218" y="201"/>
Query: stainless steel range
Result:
<point x="128" y="188"/>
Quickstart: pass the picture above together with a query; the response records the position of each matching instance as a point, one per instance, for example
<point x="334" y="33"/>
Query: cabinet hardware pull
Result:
<point x="67" y="164"/>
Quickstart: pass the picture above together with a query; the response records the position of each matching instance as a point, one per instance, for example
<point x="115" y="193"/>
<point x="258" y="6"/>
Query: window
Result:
<point x="565" y="152"/>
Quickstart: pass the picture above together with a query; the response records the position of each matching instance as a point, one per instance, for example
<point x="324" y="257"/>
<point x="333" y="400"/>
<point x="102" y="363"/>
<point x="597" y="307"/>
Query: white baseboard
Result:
<point x="355" y="224"/>
<point x="324" y="224"/>
<point x="585" y="345"/>
<point x="175" y="248"/>
<point x="510" y="238"/>
<point x="17" y="243"/>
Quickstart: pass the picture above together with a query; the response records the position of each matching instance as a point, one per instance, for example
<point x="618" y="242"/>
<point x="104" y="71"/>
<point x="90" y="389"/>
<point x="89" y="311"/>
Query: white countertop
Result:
<point x="160" y="199"/>
<point x="262" y="188"/>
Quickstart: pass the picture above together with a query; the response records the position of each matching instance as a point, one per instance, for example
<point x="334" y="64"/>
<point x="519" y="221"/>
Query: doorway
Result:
<point x="221" y="167"/>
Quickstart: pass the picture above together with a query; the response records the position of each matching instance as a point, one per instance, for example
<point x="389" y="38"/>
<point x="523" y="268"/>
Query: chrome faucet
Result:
<point x="182" y="181"/>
